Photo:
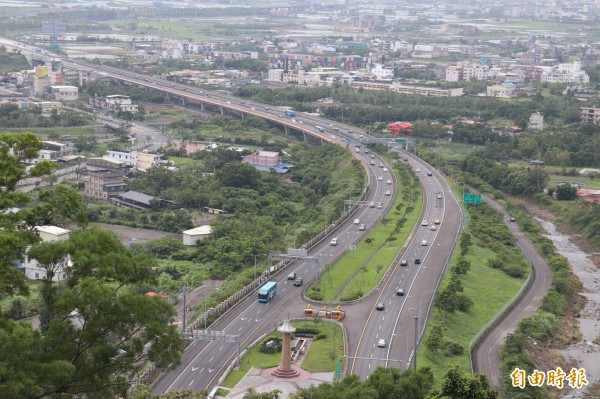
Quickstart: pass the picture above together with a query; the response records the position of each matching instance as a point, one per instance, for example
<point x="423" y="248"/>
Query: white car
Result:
<point x="388" y="193"/>
<point x="380" y="178"/>
<point x="381" y="343"/>
<point x="388" y="182"/>
<point x="356" y="221"/>
<point x="439" y="196"/>
<point x="424" y="223"/>
<point x="372" y="204"/>
<point x="334" y="241"/>
<point x="385" y="169"/>
<point x="433" y="227"/>
<point x="418" y="170"/>
<point x="424" y="243"/>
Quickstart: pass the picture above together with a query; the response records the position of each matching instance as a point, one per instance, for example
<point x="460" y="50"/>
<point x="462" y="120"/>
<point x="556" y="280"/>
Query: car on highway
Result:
<point x="418" y="170"/>
<point x="366" y="151"/>
<point x="388" y="181"/>
<point x="388" y="193"/>
<point x="380" y="178"/>
<point x="429" y="174"/>
<point x="228" y="102"/>
<point x="437" y="221"/>
<point x="512" y="219"/>
<point x="357" y="221"/>
<point x="424" y="223"/>
<point x="381" y="165"/>
<point x="400" y="292"/>
<point x="424" y="243"/>
<point x="291" y="276"/>
<point x="372" y="163"/>
<point x="253" y="109"/>
<point x="433" y="227"/>
<point x="357" y="149"/>
<point x="405" y="159"/>
<point x="337" y="129"/>
<point x="439" y="196"/>
<point x="381" y="343"/>
<point x="417" y="261"/>
<point x="372" y="204"/>
<point x="380" y="306"/>
<point x="300" y="122"/>
<point x="379" y="205"/>
<point x="385" y="169"/>
<point x="361" y="227"/>
<point x="334" y="242"/>
<point x="298" y="282"/>
<point x="372" y="156"/>
<point x="403" y="262"/>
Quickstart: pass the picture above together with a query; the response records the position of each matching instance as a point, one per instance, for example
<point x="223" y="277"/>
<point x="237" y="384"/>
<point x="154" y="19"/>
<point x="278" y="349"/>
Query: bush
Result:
<point x="320" y="336"/>
<point x="463" y="302"/>
<point x="307" y="331"/>
<point x="453" y="349"/>
<point x="315" y="296"/>
<point x="351" y="295"/>
<point x="271" y="349"/>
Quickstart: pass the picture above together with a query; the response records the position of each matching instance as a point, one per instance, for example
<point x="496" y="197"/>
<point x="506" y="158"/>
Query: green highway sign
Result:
<point x="337" y="370"/>
<point x="400" y="140"/>
<point x="469" y="198"/>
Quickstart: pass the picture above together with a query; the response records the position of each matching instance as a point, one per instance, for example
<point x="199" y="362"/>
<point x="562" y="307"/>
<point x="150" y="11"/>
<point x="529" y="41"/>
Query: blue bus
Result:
<point x="319" y="129"/>
<point x="267" y="291"/>
<point x="290" y="113"/>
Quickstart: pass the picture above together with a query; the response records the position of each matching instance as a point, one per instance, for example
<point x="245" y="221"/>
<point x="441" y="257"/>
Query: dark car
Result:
<point x="417" y="261"/>
<point x="429" y="174"/>
<point x="298" y="282"/>
<point x="291" y="276"/>
<point x="400" y="292"/>
<point x="380" y="306"/>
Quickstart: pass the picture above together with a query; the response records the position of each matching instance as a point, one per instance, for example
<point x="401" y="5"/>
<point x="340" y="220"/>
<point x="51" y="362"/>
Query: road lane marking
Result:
<point x="191" y="383"/>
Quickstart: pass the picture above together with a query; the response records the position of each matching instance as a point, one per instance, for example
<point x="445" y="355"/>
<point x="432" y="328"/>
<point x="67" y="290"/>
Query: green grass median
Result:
<point x="358" y="271"/>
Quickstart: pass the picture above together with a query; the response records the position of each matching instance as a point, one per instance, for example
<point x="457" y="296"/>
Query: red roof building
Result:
<point x="398" y="127"/>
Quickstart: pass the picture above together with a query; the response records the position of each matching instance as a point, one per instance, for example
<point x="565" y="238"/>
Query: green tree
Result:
<point x="435" y="339"/>
<point x="566" y="192"/>
<point x="458" y="384"/>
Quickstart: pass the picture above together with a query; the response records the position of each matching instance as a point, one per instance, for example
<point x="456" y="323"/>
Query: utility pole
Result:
<point x="184" y="305"/>
<point x="416" y="313"/>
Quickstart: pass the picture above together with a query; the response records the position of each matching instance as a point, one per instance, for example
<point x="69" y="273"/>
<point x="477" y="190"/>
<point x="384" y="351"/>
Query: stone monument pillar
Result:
<point x="285" y="369"/>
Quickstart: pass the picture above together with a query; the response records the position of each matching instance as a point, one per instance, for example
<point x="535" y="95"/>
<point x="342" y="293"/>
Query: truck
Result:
<point x="290" y="113"/>
<point x="319" y="129"/>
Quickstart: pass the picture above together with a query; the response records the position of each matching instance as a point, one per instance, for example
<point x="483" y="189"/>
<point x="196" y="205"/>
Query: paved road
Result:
<point x="395" y="323"/>
<point x="204" y="362"/>
<point x="486" y="354"/>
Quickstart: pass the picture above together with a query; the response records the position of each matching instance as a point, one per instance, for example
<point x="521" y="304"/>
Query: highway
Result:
<point x="204" y="362"/>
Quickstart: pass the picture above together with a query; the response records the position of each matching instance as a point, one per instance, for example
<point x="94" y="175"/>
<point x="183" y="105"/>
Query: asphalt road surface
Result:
<point x="204" y="362"/>
<point x="486" y="354"/>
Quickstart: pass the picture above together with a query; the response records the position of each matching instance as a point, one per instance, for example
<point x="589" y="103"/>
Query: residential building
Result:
<point x="382" y="72"/>
<point x="590" y="114"/>
<point x="114" y="103"/>
<point x="104" y="184"/>
<point x="454" y="73"/>
<point x="48" y="106"/>
<point x="129" y="157"/>
<point x="192" y="236"/>
<point x="267" y="161"/>
<point x="31" y="267"/>
<point x="501" y="91"/>
<point x="429" y="51"/>
<point x="536" y="121"/>
<point x="146" y="160"/>
<point x="64" y="93"/>
<point x="275" y="75"/>
<point x="100" y="163"/>
<point x="565" y="73"/>
<point x="398" y="127"/>
<point x="430" y="91"/>
<point x="465" y="70"/>
<point x="53" y="151"/>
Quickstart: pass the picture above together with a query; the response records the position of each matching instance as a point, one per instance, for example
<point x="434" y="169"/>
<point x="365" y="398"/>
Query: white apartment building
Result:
<point x="466" y="71"/>
<point x="66" y="93"/>
<point x="565" y="73"/>
<point x="500" y="91"/>
<point x="129" y="157"/>
<point x="275" y="75"/>
<point x="33" y="270"/>
<point x="429" y="51"/>
<point x="382" y="72"/>
<point x="536" y="121"/>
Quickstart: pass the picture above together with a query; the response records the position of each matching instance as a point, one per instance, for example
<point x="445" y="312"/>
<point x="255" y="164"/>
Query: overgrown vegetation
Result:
<point x="13" y="117"/>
